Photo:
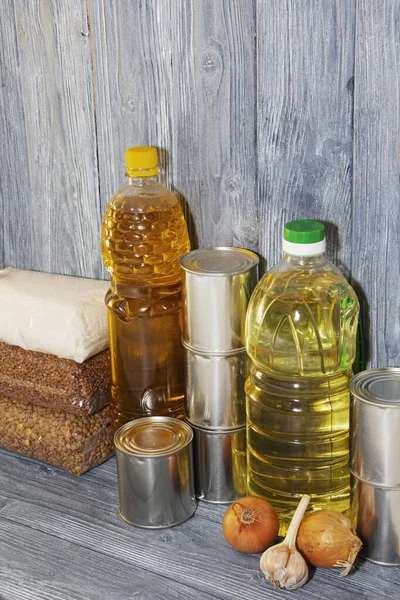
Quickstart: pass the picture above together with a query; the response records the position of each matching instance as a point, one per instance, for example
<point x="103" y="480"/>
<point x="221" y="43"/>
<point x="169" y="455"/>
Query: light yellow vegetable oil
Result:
<point x="300" y="332"/>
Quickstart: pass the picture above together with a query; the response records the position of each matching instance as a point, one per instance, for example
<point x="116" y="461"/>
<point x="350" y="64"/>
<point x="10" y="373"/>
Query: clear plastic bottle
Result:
<point x="144" y="235"/>
<point x="301" y="337"/>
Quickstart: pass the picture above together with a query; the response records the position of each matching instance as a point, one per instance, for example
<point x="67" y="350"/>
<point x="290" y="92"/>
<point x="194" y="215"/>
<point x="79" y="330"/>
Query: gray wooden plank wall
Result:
<point x="263" y="111"/>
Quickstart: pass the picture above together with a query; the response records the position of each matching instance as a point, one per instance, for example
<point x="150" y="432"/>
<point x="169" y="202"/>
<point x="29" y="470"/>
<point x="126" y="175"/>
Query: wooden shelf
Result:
<point x="61" y="537"/>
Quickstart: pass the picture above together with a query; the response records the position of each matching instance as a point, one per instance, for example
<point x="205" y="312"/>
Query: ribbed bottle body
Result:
<point x="144" y="235"/>
<point x="300" y="335"/>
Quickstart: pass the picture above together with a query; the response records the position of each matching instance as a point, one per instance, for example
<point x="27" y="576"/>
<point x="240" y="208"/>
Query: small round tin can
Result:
<point x="216" y="287"/>
<point x="220" y="464"/>
<point x="155" y="472"/>
<point x="374" y="463"/>
<point x="215" y="397"/>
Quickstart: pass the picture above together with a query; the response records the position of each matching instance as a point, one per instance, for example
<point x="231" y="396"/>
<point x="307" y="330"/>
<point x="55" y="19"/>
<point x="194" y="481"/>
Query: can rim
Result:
<point x="179" y="432"/>
<point x="379" y="562"/>
<point x="186" y="261"/>
<point x="222" y="353"/>
<point x="360" y="386"/>
<point x="375" y="484"/>
<point x="163" y="525"/>
<point x="214" y="431"/>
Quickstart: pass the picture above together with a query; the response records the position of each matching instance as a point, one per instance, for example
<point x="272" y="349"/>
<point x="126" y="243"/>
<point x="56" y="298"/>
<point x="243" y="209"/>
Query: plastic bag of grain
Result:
<point x="54" y="314"/>
<point x="56" y="383"/>
<point x="57" y="438"/>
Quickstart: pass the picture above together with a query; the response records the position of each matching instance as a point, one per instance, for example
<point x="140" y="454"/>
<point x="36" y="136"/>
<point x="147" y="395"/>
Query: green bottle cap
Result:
<point x="304" y="232"/>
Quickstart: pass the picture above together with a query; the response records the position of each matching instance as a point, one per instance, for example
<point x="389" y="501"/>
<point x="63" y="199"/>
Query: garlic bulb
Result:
<point x="283" y="564"/>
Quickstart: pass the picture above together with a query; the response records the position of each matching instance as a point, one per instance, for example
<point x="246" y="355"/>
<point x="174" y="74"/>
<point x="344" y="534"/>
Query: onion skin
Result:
<point x="250" y="525"/>
<point x="327" y="539"/>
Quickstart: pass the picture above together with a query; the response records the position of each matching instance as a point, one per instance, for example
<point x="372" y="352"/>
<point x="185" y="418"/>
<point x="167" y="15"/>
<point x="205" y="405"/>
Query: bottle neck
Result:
<point x="304" y="261"/>
<point x="141" y="181"/>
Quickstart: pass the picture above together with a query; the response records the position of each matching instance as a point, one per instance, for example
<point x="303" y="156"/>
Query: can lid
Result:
<point x="219" y="261"/>
<point x="153" y="436"/>
<point x="378" y="386"/>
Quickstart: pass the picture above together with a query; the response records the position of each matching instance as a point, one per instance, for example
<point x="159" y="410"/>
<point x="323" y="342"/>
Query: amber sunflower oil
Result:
<point x="144" y="235"/>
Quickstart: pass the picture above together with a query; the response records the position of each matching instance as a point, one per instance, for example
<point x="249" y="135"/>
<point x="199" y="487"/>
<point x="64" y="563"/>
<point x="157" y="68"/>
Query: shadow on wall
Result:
<point x="365" y="321"/>
<point x="332" y="242"/>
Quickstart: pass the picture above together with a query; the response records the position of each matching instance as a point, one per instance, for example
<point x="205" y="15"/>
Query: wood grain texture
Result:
<point x="131" y="44"/>
<point x="16" y="200"/>
<point x="214" y="102"/>
<point x="52" y="206"/>
<point x="58" y="569"/>
<point x="375" y="238"/>
<point x="187" y="68"/>
<point x="61" y="537"/>
<point x="305" y="106"/>
<point x="251" y="105"/>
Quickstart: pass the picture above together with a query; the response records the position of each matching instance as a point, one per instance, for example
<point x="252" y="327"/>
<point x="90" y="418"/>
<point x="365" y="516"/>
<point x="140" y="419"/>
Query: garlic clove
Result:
<point x="296" y="571"/>
<point x="274" y="560"/>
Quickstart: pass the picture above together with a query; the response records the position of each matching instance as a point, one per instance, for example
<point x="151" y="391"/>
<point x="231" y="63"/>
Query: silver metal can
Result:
<point x="375" y="426"/>
<point x="215" y="397"/>
<point x="220" y="464"/>
<point x="376" y="512"/>
<point x="216" y="286"/>
<point x="374" y="462"/>
<point x="155" y="472"/>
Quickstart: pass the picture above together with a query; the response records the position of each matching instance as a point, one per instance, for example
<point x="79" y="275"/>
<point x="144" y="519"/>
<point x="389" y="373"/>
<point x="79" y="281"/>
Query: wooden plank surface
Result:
<point x="14" y="180"/>
<point x="375" y="264"/>
<point x="187" y="68"/>
<point x="304" y="120"/>
<point x="214" y="128"/>
<point x="131" y="44"/>
<point x="56" y="569"/>
<point x="61" y="538"/>
<point x="52" y="212"/>
<point x="251" y="105"/>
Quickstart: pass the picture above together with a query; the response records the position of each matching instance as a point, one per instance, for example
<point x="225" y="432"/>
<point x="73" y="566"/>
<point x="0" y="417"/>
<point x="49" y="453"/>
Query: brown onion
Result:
<point x="250" y="525"/>
<point x="327" y="539"/>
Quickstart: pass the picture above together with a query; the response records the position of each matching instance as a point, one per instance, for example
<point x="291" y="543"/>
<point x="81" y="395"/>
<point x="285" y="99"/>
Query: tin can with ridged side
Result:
<point x="216" y="287"/>
<point x="215" y="397"/>
<point x="155" y="472"/>
<point x="220" y="458"/>
<point x="375" y="463"/>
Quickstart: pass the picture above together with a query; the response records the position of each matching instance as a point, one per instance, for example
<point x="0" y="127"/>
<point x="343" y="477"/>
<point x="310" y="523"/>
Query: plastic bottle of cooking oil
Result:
<point x="144" y="235"/>
<point x="301" y="337"/>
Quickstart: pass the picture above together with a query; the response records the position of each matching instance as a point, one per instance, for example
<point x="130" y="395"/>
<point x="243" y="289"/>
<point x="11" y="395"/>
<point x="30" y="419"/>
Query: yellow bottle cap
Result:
<point x="141" y="161"/>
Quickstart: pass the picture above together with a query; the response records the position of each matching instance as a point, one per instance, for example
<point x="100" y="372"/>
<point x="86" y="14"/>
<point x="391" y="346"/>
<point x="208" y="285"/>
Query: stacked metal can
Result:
<point x="375" y="464"/>
<point x="217" y="284"/>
